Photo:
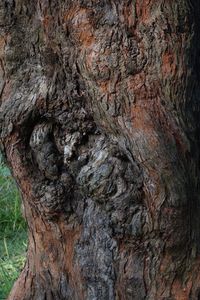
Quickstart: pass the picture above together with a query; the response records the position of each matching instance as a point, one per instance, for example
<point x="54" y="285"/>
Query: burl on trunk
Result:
<point x="99" y="116"/>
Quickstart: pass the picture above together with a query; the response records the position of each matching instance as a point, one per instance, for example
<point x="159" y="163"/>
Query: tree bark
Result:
<point x="99" y="115"/>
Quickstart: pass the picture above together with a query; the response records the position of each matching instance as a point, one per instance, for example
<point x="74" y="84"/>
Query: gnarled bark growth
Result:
<point x="99" y="119"/>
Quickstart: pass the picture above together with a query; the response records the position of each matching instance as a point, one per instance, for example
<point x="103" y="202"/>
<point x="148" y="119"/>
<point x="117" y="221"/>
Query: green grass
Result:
<point x="13" y="236"/>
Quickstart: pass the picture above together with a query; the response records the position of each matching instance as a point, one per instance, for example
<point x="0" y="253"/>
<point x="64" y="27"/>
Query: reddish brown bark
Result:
<point x="99" y="124"/>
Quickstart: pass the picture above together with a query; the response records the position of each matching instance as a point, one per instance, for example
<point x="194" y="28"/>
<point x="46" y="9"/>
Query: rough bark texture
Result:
<point x="99" y="121"/>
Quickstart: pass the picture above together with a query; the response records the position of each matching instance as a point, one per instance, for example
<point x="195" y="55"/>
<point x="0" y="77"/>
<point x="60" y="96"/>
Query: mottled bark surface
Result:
<point x="99" y="122"/>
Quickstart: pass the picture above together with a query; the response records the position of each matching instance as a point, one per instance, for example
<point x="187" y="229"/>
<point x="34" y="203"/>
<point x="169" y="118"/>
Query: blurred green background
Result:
<point x="13" y="232"/>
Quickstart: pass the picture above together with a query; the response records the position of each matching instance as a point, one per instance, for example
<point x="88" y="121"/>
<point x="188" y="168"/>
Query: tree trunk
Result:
<point x="99" y="119"/>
